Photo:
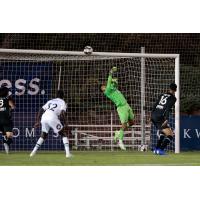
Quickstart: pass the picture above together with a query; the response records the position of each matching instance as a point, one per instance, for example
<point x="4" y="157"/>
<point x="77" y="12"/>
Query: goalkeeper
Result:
<point x="125" y="112"/>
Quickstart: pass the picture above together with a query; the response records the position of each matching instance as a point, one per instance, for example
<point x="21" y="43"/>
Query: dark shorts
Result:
<point x="159" y="122"/>
<point x="6" y="126"/>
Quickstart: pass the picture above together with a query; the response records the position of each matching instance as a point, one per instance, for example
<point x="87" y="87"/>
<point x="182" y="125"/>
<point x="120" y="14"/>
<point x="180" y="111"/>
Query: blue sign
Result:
<point x="190" y="133"/>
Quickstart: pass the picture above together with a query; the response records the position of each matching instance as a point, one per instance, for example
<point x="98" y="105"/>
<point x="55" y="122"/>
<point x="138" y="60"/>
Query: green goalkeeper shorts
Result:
<point x="125" y="113"/>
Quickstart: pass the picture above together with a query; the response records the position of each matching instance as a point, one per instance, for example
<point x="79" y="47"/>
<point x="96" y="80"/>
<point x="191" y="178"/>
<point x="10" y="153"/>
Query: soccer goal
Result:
<point x="34" y="76"/>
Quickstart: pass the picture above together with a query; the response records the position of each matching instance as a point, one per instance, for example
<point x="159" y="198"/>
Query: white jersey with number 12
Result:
<point x="54" y="107"/>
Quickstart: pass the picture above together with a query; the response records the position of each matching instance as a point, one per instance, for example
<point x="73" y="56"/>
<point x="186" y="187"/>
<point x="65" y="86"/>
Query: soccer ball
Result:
<point x="142" y="148"/>
<point x="88" y="50"/>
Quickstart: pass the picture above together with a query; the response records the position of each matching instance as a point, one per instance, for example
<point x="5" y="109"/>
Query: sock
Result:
<point x="5" y="143"/>
<point x="166" y="141"/>
<point x="66" y="145"/>
<point x="121" y="134"/>
<point x="38" y="144"/>
<point x="160" y="141"/>
<point x="6" y="147"/>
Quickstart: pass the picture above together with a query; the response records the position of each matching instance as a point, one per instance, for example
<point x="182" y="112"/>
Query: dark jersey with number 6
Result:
<point x="163" y="105"/>
<point x="161" y="110"/>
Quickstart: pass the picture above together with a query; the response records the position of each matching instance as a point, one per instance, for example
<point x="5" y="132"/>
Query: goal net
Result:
<point x="34" y="77"/>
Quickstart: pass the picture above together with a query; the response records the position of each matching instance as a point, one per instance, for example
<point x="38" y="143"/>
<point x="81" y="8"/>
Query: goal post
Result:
<point x="143" y="97"/>
<point x="34" y="76"/>
<point x="177" y="105"/>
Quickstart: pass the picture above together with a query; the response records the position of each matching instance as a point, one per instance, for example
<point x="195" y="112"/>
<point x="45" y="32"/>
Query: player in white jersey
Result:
<point x="50" y="115"/>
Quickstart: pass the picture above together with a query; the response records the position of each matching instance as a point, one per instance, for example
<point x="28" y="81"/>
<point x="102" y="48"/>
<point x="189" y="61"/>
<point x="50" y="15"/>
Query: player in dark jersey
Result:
<point x="6" y="124"/>
<point x="159" y="117"/>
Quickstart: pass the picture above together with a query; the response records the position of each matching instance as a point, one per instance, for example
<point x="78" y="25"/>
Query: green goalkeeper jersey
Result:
<point x="114" y="94"/>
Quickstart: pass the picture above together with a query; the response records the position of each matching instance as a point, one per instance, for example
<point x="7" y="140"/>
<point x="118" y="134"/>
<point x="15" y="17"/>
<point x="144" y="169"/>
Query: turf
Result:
<point x="90" y="158"/>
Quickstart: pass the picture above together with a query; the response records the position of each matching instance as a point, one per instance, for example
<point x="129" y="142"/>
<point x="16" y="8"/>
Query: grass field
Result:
<point x="90" y="158"/>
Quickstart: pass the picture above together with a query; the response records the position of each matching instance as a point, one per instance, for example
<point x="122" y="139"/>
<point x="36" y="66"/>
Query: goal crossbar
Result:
<point x="80" y="53"/>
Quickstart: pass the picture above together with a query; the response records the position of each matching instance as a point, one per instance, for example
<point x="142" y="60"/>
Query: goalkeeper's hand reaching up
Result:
<point x="114" y="69"/>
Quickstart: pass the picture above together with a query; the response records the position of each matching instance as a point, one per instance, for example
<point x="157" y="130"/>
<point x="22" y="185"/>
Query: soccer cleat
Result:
<point x="121" y="145"/>
<point x="116" y="137"/>
<point x="155" y="150"/>
<point x="161" y="152"/>
<point x="69" y="155"/>
<point x="32" y="153"/>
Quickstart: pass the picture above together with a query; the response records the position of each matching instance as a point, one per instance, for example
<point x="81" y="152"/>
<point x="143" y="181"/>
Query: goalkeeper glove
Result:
<point x="114" y="69"/>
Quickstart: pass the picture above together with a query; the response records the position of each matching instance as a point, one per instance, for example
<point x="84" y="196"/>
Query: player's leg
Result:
<point x="44" y="134"/>
<point x="119" y="135"/>
<point x="160" y="140"/>
<point x="7" y="135"/>
<point x="8" y="141"/>
<point x="131" y="117"/>
<point x="157" y="122"/>
<point x="6" y="147"/>
<point x="65" y="142"/>
<point x="58" y="128"/>
<point x="39" y="143"/>
<point x="168" y="138"/>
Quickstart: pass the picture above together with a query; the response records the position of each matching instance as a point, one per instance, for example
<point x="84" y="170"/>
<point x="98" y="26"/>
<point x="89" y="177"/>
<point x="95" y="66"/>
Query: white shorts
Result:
<point x="53" y="123"/>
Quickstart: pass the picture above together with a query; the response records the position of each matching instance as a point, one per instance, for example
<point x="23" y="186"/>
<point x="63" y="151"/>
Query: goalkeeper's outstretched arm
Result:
<point x="110" y="78"/>
<point x="109" y="81"/>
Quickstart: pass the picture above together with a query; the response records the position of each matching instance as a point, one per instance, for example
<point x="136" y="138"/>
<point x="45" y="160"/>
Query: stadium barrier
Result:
<point x="88" y="137"/>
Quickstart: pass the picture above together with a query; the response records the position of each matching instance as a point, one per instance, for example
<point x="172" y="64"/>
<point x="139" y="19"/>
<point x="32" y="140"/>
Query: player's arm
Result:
<point x="63" y="114"/>
<point x="154" y="107"/>
<point x="171" y="103"/>
<point x="38" y="117"/>
<point x="156" y="103"/>
<point x="11" y="100"/>
<point x="63" y="117"/>
<point x="40" y="113"/>
<point x="109" y="81"/>
<point x="11" y="104"/>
